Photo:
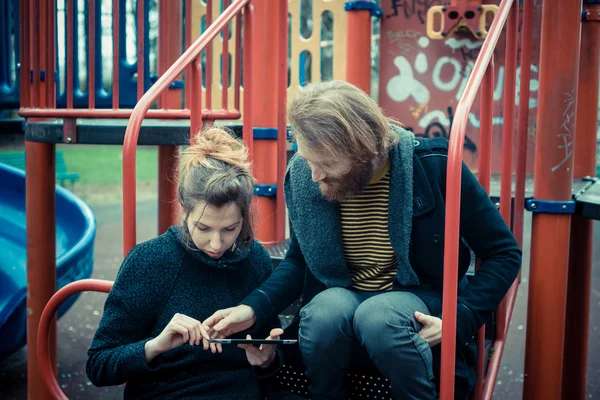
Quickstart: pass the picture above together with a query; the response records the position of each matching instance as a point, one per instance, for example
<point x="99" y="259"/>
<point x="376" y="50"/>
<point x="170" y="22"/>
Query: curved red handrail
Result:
<point x="453" y="186"/>
<point x="137" y="116"/>
<point x="43" y="354"/>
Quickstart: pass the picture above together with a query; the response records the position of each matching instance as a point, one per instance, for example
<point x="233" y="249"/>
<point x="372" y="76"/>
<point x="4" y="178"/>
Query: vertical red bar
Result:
<point x="225" y="63"/>
<point x="238" y="62"/>
<point x="163" y="44"/>
<point x="169" y="52"/>
<point x="70" y="65"/>
<point x="581" y="241"/>
<point x="40" y="214"/>
<point x="508" y="144"/>
<point x="92" y="54"/>
<point x="484" y="176"/>
<point x="188" y="42"/>
<point x="196" y="106"/>
<point x="248" y="121"/>
<point x="358" y="49"/>
<point x="24" y="48"/>
<point x="557" y="97"/>
<point x="43" y="54"/>
<point x="34" y="53"/>
<point x="50" y="54"/>
<point x="522" y="135"/>
<point x="115" y="77"/>
<point x="282" y="64"/>
<point x="209" y="57"/>
<point x="264" y="100"/>
<point x="140" y="48"/>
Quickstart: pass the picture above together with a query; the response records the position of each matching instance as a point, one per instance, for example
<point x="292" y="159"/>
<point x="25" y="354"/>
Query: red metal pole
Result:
<point x="523" y="121"/>
<point x="452" y="223"/>
<point x="169" y="51"/>
<point x="264" y="100"/>
<point x="581" y="244"/>
<point x="24" y="48"/>
<point x="34" y="54"/>
<point x="115" y="77"/>
<point x="282" y="84"/>
<point x="484" y="176"/>
<point x="140" y="48"/>
<point x="358" y="49"/>
<point x="188" y="42"/>
<point x="238" y="63"/>
<point x="559" y="69"/>
<point x="51" y="54"/>
<point x="225" y="63"/>
<point x="208" y="71"/>
<point x="248" y="121"/>
<point x="196" y="105"/>
<point x="70" y="64"/>
<point x="92" y="55"/>
<point x="40" y="214"/>
<point x="43" y="48"/>
<point x="508" y="143"/>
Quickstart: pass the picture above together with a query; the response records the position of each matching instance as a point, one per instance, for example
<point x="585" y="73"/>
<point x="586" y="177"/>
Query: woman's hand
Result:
<point x="432" y="328"/>
<point x="264" y="355"/>
<point x="180" y="330"/>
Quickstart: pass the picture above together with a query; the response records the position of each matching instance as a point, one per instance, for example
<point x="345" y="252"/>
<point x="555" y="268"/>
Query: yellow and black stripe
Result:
<point x="367" y="248"/>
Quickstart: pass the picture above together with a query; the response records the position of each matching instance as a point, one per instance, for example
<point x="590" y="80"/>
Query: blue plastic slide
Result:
<point x="75" y="233"/>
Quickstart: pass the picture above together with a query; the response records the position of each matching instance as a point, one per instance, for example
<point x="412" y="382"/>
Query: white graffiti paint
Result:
<point x="567" y="129"/>
<point x="405" y="85"/>
<point x="455" y="44"/>
<point x="448" y="74"/>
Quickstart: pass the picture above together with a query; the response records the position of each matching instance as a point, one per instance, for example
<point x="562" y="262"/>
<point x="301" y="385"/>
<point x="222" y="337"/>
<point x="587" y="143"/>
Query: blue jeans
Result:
<point x="383" y="323"/>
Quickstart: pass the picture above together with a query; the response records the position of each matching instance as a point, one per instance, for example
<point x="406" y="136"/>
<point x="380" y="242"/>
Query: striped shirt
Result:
<point x="367" y="248"/>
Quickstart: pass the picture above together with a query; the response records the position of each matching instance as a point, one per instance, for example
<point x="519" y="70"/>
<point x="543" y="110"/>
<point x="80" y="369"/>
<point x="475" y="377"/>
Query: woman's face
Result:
<point x="215" y="230"/>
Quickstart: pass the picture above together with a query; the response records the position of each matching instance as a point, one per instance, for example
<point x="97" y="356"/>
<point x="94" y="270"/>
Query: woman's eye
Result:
<point x="230" y="229"/>
<point x="202" y="229"/>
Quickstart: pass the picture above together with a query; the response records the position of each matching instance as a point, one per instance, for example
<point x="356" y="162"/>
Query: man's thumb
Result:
<point x="422" y="318"/>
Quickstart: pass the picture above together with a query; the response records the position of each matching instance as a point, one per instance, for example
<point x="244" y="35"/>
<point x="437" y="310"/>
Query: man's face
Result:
<point x="338" y="177"/>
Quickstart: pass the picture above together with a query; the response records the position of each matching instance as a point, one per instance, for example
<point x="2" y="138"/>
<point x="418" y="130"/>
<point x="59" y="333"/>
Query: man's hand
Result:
<point x="264" y="355"/>
<point x="432" y="328"/>
<point x="229" y="321"/>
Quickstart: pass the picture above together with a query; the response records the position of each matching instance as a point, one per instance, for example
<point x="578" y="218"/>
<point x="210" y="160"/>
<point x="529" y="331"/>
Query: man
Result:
<point x="366" y="204"/>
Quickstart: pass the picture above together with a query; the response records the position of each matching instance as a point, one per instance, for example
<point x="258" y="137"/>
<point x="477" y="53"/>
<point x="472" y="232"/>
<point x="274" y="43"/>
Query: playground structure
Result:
<point x="562" y="200"/>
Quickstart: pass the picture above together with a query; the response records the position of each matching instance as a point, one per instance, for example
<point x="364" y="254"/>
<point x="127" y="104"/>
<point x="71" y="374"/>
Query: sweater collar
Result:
<point x="230" y="259"/>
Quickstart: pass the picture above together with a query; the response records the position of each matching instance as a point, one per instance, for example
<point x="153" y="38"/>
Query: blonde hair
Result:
<point x="215" y="170"/>
<point x="337" y="118"/>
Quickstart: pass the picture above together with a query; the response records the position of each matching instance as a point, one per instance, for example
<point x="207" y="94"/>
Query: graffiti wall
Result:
<point x="421" y="80"/>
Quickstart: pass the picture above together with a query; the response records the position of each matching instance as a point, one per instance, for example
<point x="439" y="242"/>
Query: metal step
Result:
<point x="587" y="199"/>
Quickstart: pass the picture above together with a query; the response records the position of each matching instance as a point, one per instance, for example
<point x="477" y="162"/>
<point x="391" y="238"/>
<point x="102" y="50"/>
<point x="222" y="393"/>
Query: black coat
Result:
<point x="481" y="226"/>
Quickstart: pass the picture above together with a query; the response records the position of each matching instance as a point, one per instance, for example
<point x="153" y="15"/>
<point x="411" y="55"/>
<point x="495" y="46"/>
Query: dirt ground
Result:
<point x="76" y="328"/>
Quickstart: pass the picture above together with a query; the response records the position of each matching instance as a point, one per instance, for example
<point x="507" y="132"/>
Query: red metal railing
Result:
<point x="190" y="59"/>
<point x="46" y="364"/>
<point x="37" y="99"/>
<point x="482" y="77"/>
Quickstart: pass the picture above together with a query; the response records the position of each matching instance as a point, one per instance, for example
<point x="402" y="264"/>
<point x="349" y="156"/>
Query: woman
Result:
<point x="150" y="335"/>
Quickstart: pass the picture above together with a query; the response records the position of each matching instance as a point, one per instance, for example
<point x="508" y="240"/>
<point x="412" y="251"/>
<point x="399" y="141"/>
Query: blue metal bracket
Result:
<point x="550" y="206"/>
<point x="264" y="133"/>
<point x="265" y="190"/>
<point x="43" y="75"/>
<point x="364" y="5"/>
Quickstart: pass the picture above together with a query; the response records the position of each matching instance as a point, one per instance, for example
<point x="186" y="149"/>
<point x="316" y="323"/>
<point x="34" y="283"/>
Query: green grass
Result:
<point x="103" y="164"/>
<point x="100" y="171"/>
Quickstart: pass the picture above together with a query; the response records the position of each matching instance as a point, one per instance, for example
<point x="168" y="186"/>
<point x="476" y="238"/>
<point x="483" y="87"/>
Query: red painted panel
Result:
<point x="421" y="79"/>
